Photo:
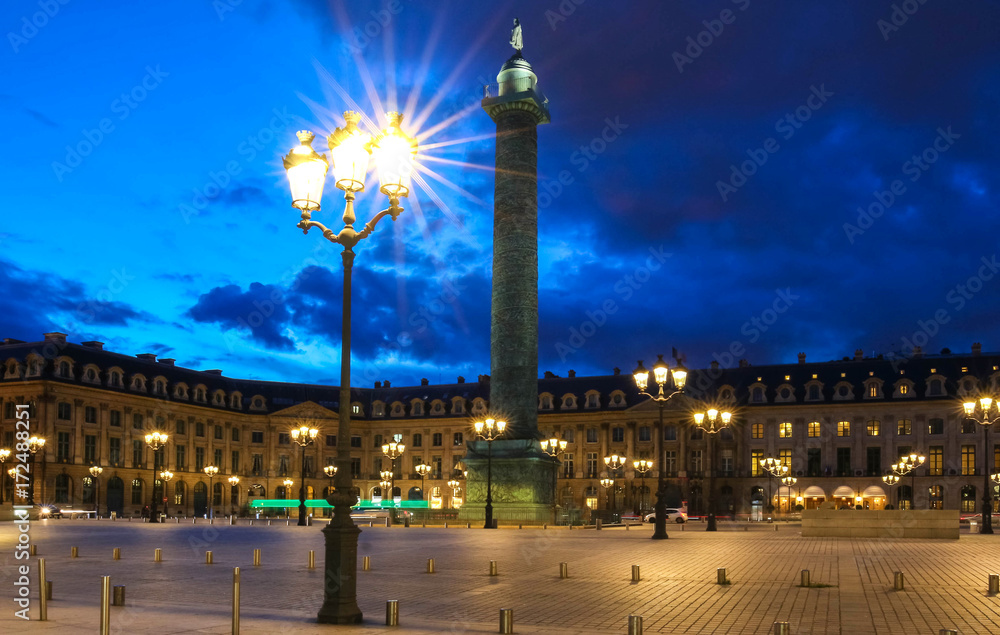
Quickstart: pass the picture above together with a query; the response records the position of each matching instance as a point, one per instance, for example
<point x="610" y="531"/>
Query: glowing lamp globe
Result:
<point x="349" y="151"/>
<point x="306" y="171"/>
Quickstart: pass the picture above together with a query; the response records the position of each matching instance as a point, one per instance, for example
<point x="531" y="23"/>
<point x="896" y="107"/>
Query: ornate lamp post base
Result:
<point x="340" y="605"/>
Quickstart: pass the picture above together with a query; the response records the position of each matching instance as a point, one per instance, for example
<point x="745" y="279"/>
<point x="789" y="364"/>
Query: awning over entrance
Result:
<point x="843" y="491"/>
<point x="814" y="491"/>
<point x="873" y="491"/>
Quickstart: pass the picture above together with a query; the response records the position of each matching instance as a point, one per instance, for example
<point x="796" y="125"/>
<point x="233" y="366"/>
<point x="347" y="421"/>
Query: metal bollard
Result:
<point x="506" y="620"/>
<point x="776" y="529"/>
<point x="994" y="586"/>
<point x="430" y="565"/>
<point x="116" y="554"/>
<point x="493" y="567"/>
<point x="545" y="526"/>
<point x="468" y="525"/>
<point x="520" y="526"/>
<point x="118" y="595"/>
<point x="392" y="613"/>
<point x="746" y="527"/>
<point x="105" y="607"/>
<point x="634" y="625"/>
<point x="33" y="550"/>
<point x="635" y="573"/>
<point x="446" y="525"/>
<point x="312" y="559"/>
<point x="74" y="552"/>
<point x="898" y="582"/>
<point x="256" y="557"/>
<point x="177" y="520"/>
<point x="158" y="555"/>
<point x="268" y="522"/>
<point x="805" y="577"/>
<point x="597" y="524"/>
<point x="682" y="526"/>
<point x="44" y="592"/>
<point x="626" y="526"/>
<point x="782" y="628"/>
<point x="720" y="576"/>
<point x="208" y="557"/>
<point x="236" y="600"/>
<point x="563" y="570"/>
<point x="232" y="520"/>
<point x="386" y="521"/>
<point x="366" y="563"/>
<point x="947" y="631"/>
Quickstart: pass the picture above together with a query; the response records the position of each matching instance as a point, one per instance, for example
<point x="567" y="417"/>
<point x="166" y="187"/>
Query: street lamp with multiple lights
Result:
<point x="614" y="463"/>
<point x="908" y="465"/>
<point x="233" y="482"/>
<point x="489" y="430"/>
<point x="672" y="380"/>
<point x="304" y="437"/>
<point x="607" y="484"/>
<point x="392" y="451"/>
<point x="4" y="455"/>
<point x="350" y="148"/>
<point x="155" y="440"/>
<point x="95" y="473"/>
<point x="641" y="466"/>
<point x="554" y="447"/>
<point x="891" y="480"/>
<point x="330" y="471"/>
<point x="788" y="481"/>
<point x="423" y="470"/>
<point x="35" y="445"/>
<point x="211" y="470"/>
<point x="712" y="421"/>
<point x="454" y="485"/>
<point x="774" y="468"/>
<point x="986" y="412"/>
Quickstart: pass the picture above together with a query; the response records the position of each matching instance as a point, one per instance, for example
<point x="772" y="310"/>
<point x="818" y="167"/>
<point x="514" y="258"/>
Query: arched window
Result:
<point x="757" y="395"/>
<point x="813" y="392"/>
<point x="280" y="492"/>
<point x="88" y="490"/>
<point x="62" y="488"/>
<point x="935" y="388"/>
<point x="935" y="494"/>
<point x="969" y="498"/>
<point x="179" y="492"/>
<point x="64" y="369"/>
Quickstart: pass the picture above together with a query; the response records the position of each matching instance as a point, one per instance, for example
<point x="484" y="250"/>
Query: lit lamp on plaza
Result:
<point x="304" y="437"/>
<point x="891" y="480"/>
<point x="165" y="477"/>
<point x="211" y="471"/>
<point x="712" y="421"/>
<point x="788" y="482"/>
<point x="392" y="451"/>
<point x="607" y="484"/>
<point x="4" y="455"/>
<point x="12" y="473"/>
<point x="908" y="465"/>
<point x="986" y="412"/>
<point x="553" y="447"/>
<point x="386" y="476"/>
<point x="35" y="445"/>
<point x="454" y="485"/>
<point x="155" y="440"/>
<point x="671" y="383"/>
<point x="614" y="463"/>
<point x="95" y="473"/>
<point x="423" y="470"/>
<point x="287" y="483"/>
<point x="774" y="468"/>
<point x="350" y="149"/>
<point x="641" y="466"/>
<point x="330" y="471"/>
<point x="234" y="492"/>
<point x="489" y="430"/>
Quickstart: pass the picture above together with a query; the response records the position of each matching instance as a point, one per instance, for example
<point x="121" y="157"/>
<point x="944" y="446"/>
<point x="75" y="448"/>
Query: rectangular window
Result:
<point x="726" y="462"/>
<point x="814" y="461"/>
<point x="199" y="429"/>
<point x="785" y="429"/>
<point x="695" y="462"/>
<point x="591" y="435"/>
<point x="257" y="436"/>
<point x="874" y="456"/>
<point x="785" y="456"/>
<point x="355" y="467"/>
<point x="90" y="414"/>
<point x="645" y="433"/>
<point x="617" y="434"/>
<point x="116" y="418"/>
<point x="436" y="440"/>
<point x="996" y="458"/>
<point x="377" y="441"/>
<point x="435" y="467"/>
<point x="65" y="411"/>
<point x="199" y="459"/>
<point x="137" y="492"/>
<point x="418" y="440"/>
<point x="968" y="427"/>
<point x="62" y="447"/>
<point x="331" y="440"/>
<point x="236" y="434"/>
<point x="181" y="426"/>
<point x="567" y="466"/>
<point x="115" y="452"/>
<point x="90" y="449"/>
<point x="935" y="426"/>
<point x="843" y="428"/>
<point x="935" y="460"/>
<point x="137" y="421"/>
<point x="591" y="464"/>
<point x="257" y="468"/>
<point x="814" y="429"/>
<point x="218" y="432"/>
<point x="874" y="427"/>
<point x="235" y="466"/>
<point x="283" y="464"/>
<point x="376" y="465"/>
<point x="756" y="456"/>
<point x="844" y="462"/>
<point x="355" y="441"/>
<point x="284" y="438"/>
<point x="904" y="426"/>
<point x="669" y="433"/>
<point x="968" y="460"/>
<point x="873" y="390"/>
<point x="180" y="456"/>
<point x="217" y="458"/>
<point x="137" y="453"/>
<point x="757" y="431"/>
<point x="458" y="439"/>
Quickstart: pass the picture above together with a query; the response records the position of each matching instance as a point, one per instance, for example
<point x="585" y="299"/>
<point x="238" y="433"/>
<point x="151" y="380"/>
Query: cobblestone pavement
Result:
<point x="946" y="581"/>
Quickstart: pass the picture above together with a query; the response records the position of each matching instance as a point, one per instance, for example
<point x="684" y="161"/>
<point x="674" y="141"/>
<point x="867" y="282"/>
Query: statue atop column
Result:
<point x="515" y="37"/>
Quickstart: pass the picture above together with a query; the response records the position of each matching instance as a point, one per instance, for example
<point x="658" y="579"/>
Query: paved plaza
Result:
<point x="946" y="580"/>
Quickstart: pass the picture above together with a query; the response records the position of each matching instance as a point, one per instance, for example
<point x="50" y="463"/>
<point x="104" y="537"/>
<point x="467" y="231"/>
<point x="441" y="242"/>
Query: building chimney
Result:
<point x="385" y="384"/>
<point x="715" y="365"/>
<point x="802" y="358"/>
<point x="57" y="338"/>
<point x="169" y="361"/>
<point x="484" y="379"/>
<point x="149" y="357"/>
<point x="571" y="373"/>
<point x="213" y="371"/>
<point x="11" y="340"/>
<point x="744" y="363"/>
<point x="461" y="379"/>
<point x="424" y="381"/>
<point x="918" y="352"/>
<point x="977" y="348"/>
<point x="378" y="384"/>
<point x="858" y="354"/>
<point x="98" y="345"/>
<point x="618" y="371"/>
<point x="549" y="375"/>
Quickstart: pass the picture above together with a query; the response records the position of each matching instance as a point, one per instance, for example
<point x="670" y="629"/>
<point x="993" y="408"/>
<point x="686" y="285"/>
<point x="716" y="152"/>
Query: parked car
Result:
<point x="673" y="514"/>
<point x="48" y="511"/>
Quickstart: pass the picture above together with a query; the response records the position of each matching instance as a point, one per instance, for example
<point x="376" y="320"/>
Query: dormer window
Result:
<point x="479" y="405"/>
<point x="757" y="395"/>
<point x="220" y="398"/>
<point x="160" y="387"/>
<point x="115" y="379"/>
<point x="417" y="408"/>
<point x="234" y="400"/>
<point x="617" y="399"/>
<point x="199" y="394"/>
<point x="378" y="409"/>
<point x="592" y="400"/>
<point x="180" y="391"/>
<point x="569" y="401"/>
<point x="814" y="393"/>
<point x="397" y="409"/>
<point x="138" y="383"/>
<point x="935" y="388"/>
<point x="545" y="402"/>
<point x="257" y="403"/>
<point x="90" y="375"/>
<point x="64" y="369"/>
<point x="457" y="406"/>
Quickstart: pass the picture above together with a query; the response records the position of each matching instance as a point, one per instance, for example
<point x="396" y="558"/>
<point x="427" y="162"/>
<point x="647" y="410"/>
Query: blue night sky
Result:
<point x="764" y="177"/>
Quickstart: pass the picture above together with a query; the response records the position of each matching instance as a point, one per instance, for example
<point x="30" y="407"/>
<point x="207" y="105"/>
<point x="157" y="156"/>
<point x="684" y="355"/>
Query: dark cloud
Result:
<point x="260" y="309"/>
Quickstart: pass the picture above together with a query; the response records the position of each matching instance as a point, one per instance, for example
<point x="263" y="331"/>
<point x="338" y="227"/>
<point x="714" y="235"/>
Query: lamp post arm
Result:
<point x="348" y="237"/>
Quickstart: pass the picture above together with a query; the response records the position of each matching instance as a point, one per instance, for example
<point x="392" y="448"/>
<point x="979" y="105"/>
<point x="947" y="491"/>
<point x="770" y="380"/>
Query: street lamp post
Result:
<point x="304" y="436"/>
<point x="891" y="480"/>
<point x="553" y="447"/>
<point x="773" y="467"/>
<point x="287" y="483"/>
<point x="614" y="463"/>
<point x="233" y="482"/>
<point x="707" y="421"/>
<point x="155" y="440"/>
<point x="165" y="476"/>
<point x="95" y="473"/>
<point x="351" y="149"/>
<point x="908" y="465"/>
<point x="35" y="445"/>
<point x="489" y="430"/>
<point x="211" y="470"/>
<point x="788" y="481"/>
<point x="330" y="471"/>
<point x="985" y="413"/>
<point x="607" y="484"/>
<point x="641" y="466"/>
<point x="454" y="485"/>
<point x="423" y="470"/>
<point x="4" y="454"/>
<point x="393" y="450"/>
<point x="12" y="473"/>
<point x="674" y="381"/>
